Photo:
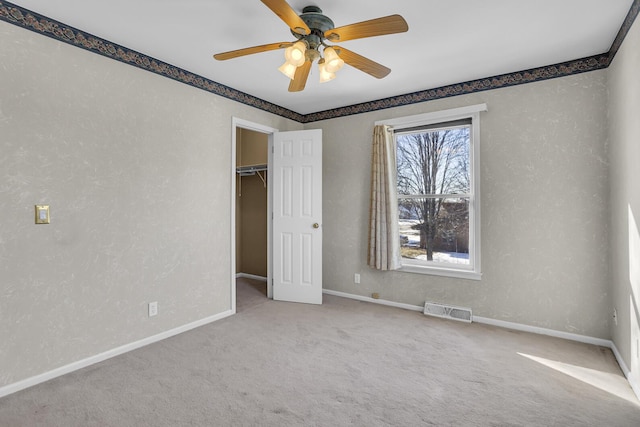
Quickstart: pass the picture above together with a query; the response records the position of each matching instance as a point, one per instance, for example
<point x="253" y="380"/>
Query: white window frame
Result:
<point x="473" y="270"/>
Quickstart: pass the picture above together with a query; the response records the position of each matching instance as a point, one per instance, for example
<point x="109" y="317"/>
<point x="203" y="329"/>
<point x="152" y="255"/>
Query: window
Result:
<point x="437" y="158"/>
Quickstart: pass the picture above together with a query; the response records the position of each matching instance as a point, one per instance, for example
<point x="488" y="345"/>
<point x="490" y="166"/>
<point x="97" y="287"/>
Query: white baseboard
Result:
<point x="543" y="331"/>
<point x="510" y="325"/>
<point x="484" y="320"/>
<point x="37" y="379"/>
<point x="625" y="370"/>
<point x="251" y="276"/>
<point x="374" y="300"/>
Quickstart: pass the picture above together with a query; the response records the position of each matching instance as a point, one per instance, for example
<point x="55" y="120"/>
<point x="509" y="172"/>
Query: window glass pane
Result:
<point x="434" y="161"/>
<point x="434" y="229"/>
<point x="439" y="214"/>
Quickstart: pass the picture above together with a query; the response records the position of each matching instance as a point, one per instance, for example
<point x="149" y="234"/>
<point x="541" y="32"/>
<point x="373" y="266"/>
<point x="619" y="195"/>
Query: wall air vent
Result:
<point x="448" y="312"/>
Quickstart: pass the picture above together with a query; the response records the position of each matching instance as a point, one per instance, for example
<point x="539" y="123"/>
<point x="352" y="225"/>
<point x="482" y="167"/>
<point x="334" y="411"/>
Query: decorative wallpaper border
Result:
<point x="27" y="19"/>
<point x="511" y="79"/>
<point x="624" y="29"/>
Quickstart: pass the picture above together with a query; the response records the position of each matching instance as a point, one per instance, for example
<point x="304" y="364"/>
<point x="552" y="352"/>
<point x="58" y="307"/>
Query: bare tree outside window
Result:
<point x="434" y="185"/>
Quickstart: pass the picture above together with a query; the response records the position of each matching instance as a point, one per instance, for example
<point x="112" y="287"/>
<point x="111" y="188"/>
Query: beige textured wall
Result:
<point x="624" y="132"/>
<point x="136" y="168"/>
<point x="544" y="193"/>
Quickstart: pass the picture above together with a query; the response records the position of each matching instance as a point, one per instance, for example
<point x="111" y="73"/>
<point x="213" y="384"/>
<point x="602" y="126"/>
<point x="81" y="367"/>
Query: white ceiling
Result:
<point x="449" y="41"/>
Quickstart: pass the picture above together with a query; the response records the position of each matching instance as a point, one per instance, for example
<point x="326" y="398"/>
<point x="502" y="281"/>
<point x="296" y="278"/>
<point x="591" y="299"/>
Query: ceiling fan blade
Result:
<point x="288" y="15"/>
<point x="391" y="24"/>
<point x="250" y="50"/>
<point x="300" y="78"/>
<point x="361" y="63"/>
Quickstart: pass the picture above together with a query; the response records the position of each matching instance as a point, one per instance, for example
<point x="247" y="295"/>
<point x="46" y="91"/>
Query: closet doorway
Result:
<point x="251" y="203"/>
<point x="296" y="223"/>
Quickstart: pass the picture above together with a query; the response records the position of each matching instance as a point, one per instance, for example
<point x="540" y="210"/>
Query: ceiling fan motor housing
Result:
<point x="317" y="23"/>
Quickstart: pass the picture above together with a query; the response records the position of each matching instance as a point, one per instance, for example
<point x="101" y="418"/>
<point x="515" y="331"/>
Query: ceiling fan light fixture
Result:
<point x="332" y="61"/>
<point x="295" y="54"/>
<point x="311" y="29"/>
<point x="325" y="76"/>
<point x="288" y="69"/>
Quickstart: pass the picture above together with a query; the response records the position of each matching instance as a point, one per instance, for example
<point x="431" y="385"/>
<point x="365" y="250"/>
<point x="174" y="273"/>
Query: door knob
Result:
<point x="316" y="225"/>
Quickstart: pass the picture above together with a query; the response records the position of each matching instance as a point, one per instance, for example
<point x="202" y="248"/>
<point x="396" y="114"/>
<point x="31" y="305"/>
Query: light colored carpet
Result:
<point x="345" y="363"/>
<point x="250" y="293"/>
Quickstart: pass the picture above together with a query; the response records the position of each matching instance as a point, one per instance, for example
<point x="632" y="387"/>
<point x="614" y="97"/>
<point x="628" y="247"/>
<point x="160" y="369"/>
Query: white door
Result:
<point x="297" y="216"/>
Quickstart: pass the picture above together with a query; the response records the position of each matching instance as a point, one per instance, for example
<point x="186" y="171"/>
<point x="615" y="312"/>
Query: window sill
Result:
<point x="440" y="271"/>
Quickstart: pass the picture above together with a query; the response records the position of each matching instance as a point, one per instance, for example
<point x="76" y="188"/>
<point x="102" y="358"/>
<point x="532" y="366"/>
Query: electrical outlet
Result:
<point x="356" y="278"/>
<point x="615" y="317"/>
<point x="153" y="308"/>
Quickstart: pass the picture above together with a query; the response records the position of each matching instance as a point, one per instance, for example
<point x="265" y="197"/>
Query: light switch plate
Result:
<point x="42" y="214"/>
<point x="153" y="308"/>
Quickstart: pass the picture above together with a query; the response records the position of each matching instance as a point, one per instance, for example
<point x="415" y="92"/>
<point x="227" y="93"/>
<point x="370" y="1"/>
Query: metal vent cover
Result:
<point x="461" y="314"/>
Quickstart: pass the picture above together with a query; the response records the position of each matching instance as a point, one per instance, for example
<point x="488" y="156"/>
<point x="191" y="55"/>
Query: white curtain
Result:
<point x="384" y="233"/>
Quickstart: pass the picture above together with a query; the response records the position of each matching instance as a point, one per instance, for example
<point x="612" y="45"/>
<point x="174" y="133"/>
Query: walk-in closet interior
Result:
<point x="251" y="206"/>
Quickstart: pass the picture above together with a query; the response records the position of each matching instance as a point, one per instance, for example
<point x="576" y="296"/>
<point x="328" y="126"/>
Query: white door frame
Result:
<point x="257" y="127"/>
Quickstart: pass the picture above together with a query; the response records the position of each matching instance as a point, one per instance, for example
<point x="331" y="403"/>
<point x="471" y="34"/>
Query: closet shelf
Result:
<point x="250" y="170"/>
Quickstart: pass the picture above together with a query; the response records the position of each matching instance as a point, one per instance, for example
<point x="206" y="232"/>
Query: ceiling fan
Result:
<point x="313" y="29"/>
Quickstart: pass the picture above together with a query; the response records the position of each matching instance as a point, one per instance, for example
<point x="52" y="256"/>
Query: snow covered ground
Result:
<point x="411" y="237"/>
<point x="450" y="257"/>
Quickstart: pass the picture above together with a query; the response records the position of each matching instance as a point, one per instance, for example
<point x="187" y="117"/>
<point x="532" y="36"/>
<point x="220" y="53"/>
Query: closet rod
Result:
<point x="250" y="170"/>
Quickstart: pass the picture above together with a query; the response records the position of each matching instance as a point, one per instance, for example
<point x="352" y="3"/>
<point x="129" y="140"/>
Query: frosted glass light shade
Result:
<point x="294" y="54"/>
<point x="325" y="76"/>
<point x="288" y="69"/>
<point x="332" y="61"/>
